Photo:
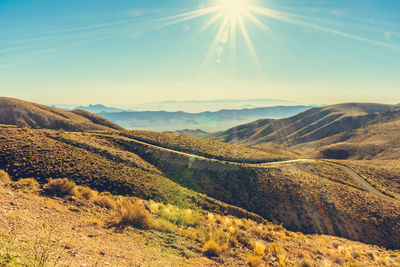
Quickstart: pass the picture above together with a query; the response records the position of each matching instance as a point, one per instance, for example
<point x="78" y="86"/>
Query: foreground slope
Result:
<point x="28" y="114"/>
<point x="38" y="228"/>
<point x="312" y="197"/>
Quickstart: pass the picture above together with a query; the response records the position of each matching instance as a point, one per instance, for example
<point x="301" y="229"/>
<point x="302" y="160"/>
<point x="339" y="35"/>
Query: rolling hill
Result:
<point x="326" y="125"/>
<point x="378" y="139"/>
<point x="311" y="197"/>
<point x="26" y="114"/>
<point x="231" y="191"/>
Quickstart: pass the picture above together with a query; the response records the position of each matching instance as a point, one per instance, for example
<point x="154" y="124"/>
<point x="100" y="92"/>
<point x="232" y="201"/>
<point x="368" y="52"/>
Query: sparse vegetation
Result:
<point x="306" y="194"/>
<point x="220" y="236"/>
<point x="203" y="147"/>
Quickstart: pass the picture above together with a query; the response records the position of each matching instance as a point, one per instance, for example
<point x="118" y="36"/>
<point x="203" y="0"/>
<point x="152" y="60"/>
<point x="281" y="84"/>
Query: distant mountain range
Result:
<point x="198" y="106"/>
<point x="205" y="121"/>
<point x="98" y="108"/>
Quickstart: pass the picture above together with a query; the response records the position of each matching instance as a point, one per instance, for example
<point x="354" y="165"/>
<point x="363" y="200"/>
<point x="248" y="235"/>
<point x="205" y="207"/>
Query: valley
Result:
<point x="265" y="182"/>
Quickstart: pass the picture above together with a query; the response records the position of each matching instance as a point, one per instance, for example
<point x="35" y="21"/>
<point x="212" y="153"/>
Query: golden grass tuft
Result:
<point x="212" y="249"/>
<point x="62" y="186"/>
<point x="86" y="193"/>
<point x="105" y="202"/>
<point x="134" y="213"/>
<point x="27" y="183"/>
<point x="4" y="177"/>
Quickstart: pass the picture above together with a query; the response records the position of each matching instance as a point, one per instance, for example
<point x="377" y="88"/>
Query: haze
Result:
<point x="133" y="52"/>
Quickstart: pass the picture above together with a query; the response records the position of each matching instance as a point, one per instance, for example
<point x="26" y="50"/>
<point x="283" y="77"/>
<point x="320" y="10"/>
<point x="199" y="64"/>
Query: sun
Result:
<point x="233" y="10"/>
<point x="233" y="17"/>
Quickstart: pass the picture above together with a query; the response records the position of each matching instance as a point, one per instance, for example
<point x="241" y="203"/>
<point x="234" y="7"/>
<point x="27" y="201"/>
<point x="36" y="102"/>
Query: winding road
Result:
<point x="353" y="174"/>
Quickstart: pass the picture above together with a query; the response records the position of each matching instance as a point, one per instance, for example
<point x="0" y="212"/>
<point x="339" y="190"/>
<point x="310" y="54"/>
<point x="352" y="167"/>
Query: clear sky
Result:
<point x="129" y="52"/>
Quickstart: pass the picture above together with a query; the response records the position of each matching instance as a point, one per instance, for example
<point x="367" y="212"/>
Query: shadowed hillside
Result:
<point x="27" y="114"/>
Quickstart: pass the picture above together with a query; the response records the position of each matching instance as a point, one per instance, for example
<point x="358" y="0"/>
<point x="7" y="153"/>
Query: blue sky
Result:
<point x="130" y="52"/>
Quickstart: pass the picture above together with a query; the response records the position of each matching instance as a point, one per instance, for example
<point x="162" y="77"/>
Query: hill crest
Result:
<point x="27" y="114"/>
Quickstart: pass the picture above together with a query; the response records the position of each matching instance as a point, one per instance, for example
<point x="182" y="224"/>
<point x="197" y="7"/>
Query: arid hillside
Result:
<point x="311" y="197"/>
<point x="61" y="224"/>
<point x="27" y="114"/>
<point x="379" y="139"/>
<point x="315" y="124"/>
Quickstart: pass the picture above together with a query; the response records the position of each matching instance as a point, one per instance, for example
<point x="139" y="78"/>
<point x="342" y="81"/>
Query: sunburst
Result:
<point x="234" y="16"/>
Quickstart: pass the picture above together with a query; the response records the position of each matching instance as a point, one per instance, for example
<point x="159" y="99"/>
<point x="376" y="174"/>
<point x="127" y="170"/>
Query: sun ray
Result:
<point x="290" y="18"/>
<point x="262" y="26"/>
<point x="217" y="39"/>
<point x="213" y="20"/>
<point x="249" y="43"/>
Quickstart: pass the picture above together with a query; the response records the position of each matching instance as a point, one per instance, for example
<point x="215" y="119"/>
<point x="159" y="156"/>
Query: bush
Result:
<point x="86" y="193"/>
<point x="212" y="249"/>
<point x="4" y="177"/>
<point x="105" y="202"/>
<point x="134" y="214"/>
<point x="62" y="186"/>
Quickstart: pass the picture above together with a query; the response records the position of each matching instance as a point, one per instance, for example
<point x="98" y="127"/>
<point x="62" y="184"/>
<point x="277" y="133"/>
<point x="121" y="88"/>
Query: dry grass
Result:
<point x="105" y="202"/>
<point x="4" y="177"/>
<point x="86" y="193"/>
<point x="27" y="183"/>
<point x="212" y="249"/>
<point x="259" y="244"/>
<point x="134" y="213"/>
<point x="61" y="186"/>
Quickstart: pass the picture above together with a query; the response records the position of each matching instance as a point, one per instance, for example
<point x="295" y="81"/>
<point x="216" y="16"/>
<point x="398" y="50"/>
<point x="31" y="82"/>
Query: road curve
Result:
<point x="353" y="174"/>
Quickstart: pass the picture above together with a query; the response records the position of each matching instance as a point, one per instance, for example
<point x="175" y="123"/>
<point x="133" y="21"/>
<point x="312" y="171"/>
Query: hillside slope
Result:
<point x="307" y="197"/>
<point x="379" y="139"/>
<point x="76" y="231"/>
<point x="27" y="114"/>
<point x="311" y="125"/>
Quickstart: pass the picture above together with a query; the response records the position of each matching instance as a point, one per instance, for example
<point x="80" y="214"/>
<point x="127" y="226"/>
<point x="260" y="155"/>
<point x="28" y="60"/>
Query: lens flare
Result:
<point x="233" y="9"/>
